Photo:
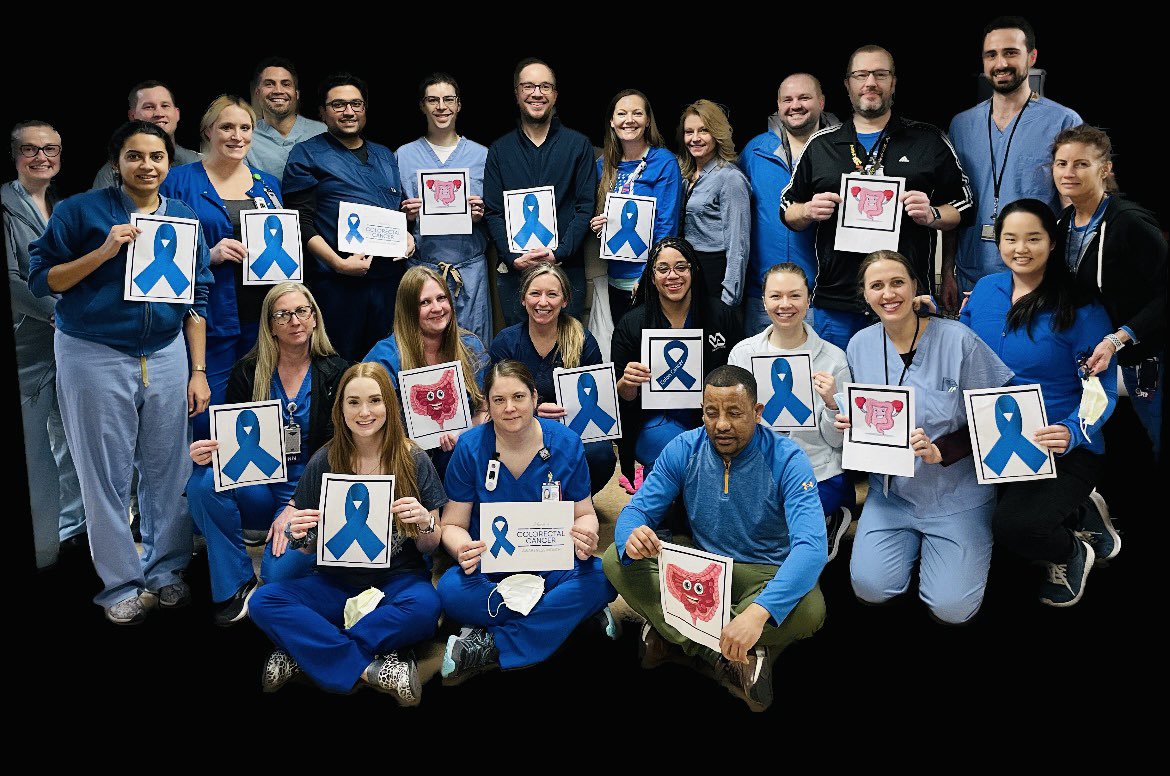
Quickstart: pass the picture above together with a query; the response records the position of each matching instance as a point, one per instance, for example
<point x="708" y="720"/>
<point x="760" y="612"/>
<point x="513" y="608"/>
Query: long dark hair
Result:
<point x="647" y="293"/>
<point x="1057" y="292"/>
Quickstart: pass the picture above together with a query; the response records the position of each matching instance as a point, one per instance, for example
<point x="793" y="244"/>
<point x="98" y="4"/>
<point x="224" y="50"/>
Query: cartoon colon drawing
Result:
<point x="444" y="191"/>
<point x="698" y="593"/>
<point x="879" y="415"/>
<point x="871" y="203"/>
<point x="438" y="400"/>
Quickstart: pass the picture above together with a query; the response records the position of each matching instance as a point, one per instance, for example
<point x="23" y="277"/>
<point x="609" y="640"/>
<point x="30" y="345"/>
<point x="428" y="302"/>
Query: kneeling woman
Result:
<point x="305" y="617"/>
<point x="531" y="453"/>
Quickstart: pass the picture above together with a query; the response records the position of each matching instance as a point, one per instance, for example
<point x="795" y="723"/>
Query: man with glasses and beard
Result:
<point x="275" y="96"/>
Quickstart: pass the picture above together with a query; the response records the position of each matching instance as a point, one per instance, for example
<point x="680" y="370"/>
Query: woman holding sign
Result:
<point x="218" y="188"/>
<point x="552" y="339"/>
<point x="122" y="374"/>
<point x="309" y="618"/>
<point x="520" y="619"/>
<point x="1044" y="327"/>
<point x="941" y="515"/>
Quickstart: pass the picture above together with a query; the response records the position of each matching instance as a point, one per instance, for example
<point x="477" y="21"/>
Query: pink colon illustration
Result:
<point x="437" y="400"/>
<point x="879" y="415"/>
<point x="444" y="191"/>
<point x="871" y="203"/>
<point x="698" y="593"/>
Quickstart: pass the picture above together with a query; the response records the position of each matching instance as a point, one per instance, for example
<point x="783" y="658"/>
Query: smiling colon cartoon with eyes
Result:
<point x="436" y="401"/>
<point x="698" y="593"/>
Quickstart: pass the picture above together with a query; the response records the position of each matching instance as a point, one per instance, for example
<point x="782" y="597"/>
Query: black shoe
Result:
<point x="653" y="650"/>
<point x="279" y="669"/>
<point x="395" y="676"/>
<point x="751" y="682"/>
<point x="836" y="524"/>
<point x="234" y="609"/>
<point x="1066" y="581"/>
<point x="1097" y="529"/>
<point x="472" y="652"/>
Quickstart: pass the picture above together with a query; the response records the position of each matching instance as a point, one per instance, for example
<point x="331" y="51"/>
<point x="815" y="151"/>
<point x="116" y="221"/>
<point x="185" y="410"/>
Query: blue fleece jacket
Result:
<point x="662" y="180"/>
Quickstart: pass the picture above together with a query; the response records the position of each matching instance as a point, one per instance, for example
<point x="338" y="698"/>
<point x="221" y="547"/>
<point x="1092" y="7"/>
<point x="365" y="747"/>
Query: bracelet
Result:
<point x="430" y="529"/>
<point x="1116" y="341"/>
<point x="199" y="368"/>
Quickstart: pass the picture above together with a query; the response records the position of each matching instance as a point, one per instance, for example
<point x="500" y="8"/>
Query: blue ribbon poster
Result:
<point x="526" y="536"/>
<point x="675" y="358"/>
<point x="273" y="240"/>
<point x="160" y="263"/>
<point x="1002" y="422"/>
<point x="785" y="388"/>
<point x="530" y="216"/>
<point x="370" y="230"/>
<point x="589" y="396"/>
<point x="251" y="444"/>
<point x="357" y="527"/>
<point x="629" y="227"/>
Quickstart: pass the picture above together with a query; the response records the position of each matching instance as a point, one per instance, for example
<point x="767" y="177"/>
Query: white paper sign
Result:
<point x="695" y="589"/>
<point x="878" y="440"/>
<point x="273" y="240"/>
<point x="356" y="528"/>
<point x="434" y="401"/>
<point x="1002" y="422"/>
<point x="530" y="216"/>
<point x="372" y="231"/>
<point x="675" y="358"/>
<point x="160" y="263"/>
<point x="251" y="444"/>
<point x="526" y="536"/>
<point x="629" y="227"/>
<point x="784" y="386"/>
<point x="869" y="217"/>
<point x="589" y="396"/>
<point x="445" y="207"/>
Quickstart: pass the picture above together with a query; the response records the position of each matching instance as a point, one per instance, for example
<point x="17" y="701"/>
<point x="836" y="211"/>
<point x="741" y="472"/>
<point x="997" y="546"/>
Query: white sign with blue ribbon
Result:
<point x="530" y="216"/>
<point x="784" y="386"/>
<point x="370" y="230"/>
<point x="526" y="536"/>
<point x="589" y="396"/>
<point x="160" y="263"/>
<point x="273" y="240"/>
<point x="356" y="528"/>
<point x="629" y="227"/>
<point x="1002" y="422"/>
<point x="251" y="444"/>
<point x="675" y="359"/>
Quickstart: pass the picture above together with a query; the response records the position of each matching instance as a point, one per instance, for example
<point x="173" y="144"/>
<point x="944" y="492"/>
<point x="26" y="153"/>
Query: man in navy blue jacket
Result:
<point x="540" y="152"/>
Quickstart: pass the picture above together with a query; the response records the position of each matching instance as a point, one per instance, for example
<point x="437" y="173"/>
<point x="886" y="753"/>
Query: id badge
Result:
<point x="550" y="491"/>
<point x="292" y="439"/>
<point x="987" y="233"/>
<point x="879" y="171"/>
<point x="261" y="203"/>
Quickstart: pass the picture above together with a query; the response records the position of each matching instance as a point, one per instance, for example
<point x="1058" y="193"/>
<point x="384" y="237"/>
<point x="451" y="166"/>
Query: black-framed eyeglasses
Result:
<point x="861" y="76"/>
<point x="339" y="106"/>
<point x="450" y="99"/>
<point x="680" y="268"/>
<point x="282" y="317"/>
<point x="29" y="151"/>
<point x="544" y="88"/>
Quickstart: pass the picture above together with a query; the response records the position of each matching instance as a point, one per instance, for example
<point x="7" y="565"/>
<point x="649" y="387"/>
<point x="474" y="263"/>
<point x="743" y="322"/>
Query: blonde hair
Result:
<point x="409" y="336"/>
<point x="570" y="332"/>
<point x="267" y="348"/>
<point x="715" y="120"/>
<point x="217" y="107"/>
<point x="611" y="155"/>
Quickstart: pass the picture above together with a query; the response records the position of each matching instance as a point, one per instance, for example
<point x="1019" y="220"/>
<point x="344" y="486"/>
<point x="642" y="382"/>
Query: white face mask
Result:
<point x="362" y="604"/>
<point x="520" y="592"/>
<point x="1094" y="402"/>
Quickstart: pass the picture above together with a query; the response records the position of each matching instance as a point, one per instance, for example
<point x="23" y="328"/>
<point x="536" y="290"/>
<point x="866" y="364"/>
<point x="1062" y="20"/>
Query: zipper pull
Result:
<point x="726" y="476"/>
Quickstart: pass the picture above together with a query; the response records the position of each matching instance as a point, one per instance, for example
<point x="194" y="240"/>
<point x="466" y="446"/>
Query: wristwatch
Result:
<point x="199" y="368"/>
<point x="1115" y="341"/>
<point x="937" y="215"/>
<point x="430" y="528"/>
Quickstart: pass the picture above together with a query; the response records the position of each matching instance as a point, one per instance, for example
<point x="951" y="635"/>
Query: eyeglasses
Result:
<point x="282" y="317"/>
<point x="337" y="106"/>
<point x="450" y="99"/>
<point x="544" y="88"/>
<point x="30" y="151"/>
<point x="681" y="268"/>
<point x="861" y="76"/>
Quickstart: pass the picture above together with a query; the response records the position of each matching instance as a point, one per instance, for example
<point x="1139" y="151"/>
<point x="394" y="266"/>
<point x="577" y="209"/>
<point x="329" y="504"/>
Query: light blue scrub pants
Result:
<point x="114" y="423"/>
<point x="472" y="300"/>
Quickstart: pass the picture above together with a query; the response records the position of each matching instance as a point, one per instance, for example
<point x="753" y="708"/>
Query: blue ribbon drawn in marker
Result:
<point x="356" y="529"/>
<point x="590" y="409"/>
<point x="500" y="531"/>
<point x="532" y="225"/>
<point x="248" y="438"/>
<point x="628" y="234"/>
<point x="353" y="235"/>
<point x="1011" y="438"/>
<point x="782" y="396"/>
<point x="274" y="252"/>
<point x="674" y="367"/>
<point x="166" y="246"/>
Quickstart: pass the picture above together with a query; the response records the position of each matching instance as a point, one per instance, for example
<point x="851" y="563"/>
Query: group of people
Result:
<point x="1056" y="279"/>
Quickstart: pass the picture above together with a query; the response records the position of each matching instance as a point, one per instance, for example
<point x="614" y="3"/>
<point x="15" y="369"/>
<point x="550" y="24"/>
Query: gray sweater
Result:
<point x="718" y="218"/>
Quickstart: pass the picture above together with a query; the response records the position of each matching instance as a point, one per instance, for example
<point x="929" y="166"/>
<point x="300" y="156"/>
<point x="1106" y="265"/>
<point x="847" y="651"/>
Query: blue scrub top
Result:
<point x="296" y="463"/>
<point x="515" y="343"/>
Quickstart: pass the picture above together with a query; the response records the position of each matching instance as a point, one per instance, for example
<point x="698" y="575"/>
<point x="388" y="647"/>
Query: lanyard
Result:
<point x="997" y="179"/>
<point x="628" y="186"/>
<point x="886" y="352"/>
<point x="1074" y="261"/>
<point x="873" y="161"/>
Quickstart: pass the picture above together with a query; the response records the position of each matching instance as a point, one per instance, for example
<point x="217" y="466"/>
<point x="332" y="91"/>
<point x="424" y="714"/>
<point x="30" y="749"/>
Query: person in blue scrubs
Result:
<point x="218" y="188"/>
<point x="940" y="519"/>
<point x="534" y="459"/>
<point x="292" y="361"/>
<point x="356" y="292"/>
<point x="1044" y="327"/>
<point x="552" y="339"/>
<point x="460" y="258"/>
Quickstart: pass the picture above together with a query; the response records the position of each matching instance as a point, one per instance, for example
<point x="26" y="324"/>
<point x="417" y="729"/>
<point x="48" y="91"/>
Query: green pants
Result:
<point x="638" y="585"/>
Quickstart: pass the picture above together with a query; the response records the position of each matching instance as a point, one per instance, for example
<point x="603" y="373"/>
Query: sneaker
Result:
<point x="653" y="650"/>
<point x="255" y="537"/>
<point x="1097" y="529"/>
<point x="611" y="625"/>
<point x="836" y="524"/>
<point x="279" y="669"/>
<point x="128" y="612"/>
<point x="1066" y="581"/>
<point x="235" y="608"/>
<point x="175" y="595"/>
<point x="472" y="652"/>
<point x="751" y="682"/>
<point x="395" y="676"/>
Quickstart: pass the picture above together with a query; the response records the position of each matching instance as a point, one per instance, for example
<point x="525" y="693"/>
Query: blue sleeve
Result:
<point x="1091" y="326"/>
<point x="583" y="201"/>
<point x="648" y="506"/>
<point x="298" y="171"/>
<point x="1132" y="336"/>
<point x="981" y="368"/>
<point x="459" y="481"/>
<point x="499" y="351"/>
<point x="204" y="280"/>
<point x="51" y="248"/>
<point x="493" y="206"/>
<point x="669" y="195"/>
<point x="483" y="360"/>
<point x="386" y="354"/>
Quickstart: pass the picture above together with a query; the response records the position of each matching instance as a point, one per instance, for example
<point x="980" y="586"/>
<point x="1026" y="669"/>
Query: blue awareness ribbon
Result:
<point x="356" y="529"/>
<point x="532" y="225"/>
<point x="590" y="409"/>
<point x="782" y="396"/>
<point x="1011" y="438"/>
<point x="248" y="438"/>
<point x="353" y="234"/>
<point x="500" y="531"/>
<point x="274" y="252"/>
<point x="674" y="370"/>
<point x="628" y="234"/>
<point x="166" y="245"/>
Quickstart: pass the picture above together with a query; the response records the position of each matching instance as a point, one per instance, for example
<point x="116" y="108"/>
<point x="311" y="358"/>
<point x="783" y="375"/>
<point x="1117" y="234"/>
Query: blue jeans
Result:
<point x="1149" y="408"/>
<point x="837" y="326"/>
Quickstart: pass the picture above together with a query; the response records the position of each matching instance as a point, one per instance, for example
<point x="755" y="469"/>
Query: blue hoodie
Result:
<point x="662" y="180"/>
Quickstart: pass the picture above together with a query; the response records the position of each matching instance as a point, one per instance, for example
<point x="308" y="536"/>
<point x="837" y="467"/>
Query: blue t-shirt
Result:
<point x="300" y="415"/>
<point x="514" y="342"/>
<point x="868" y="140"/>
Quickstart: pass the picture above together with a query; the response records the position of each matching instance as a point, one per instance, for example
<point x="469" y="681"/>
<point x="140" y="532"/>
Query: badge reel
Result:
<point x="493" y="474"/>
<point x="292" y="433"/>
<point x="550" y="491"/>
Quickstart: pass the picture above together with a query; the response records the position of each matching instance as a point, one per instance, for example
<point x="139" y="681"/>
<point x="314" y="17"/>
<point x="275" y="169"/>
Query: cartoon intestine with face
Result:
<point x="879" y="415"/>
<point x="698" y="593"/>
<point x="444" y="190"/>
<point x="438" y="400"/>
<point x="870" y="203"/>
